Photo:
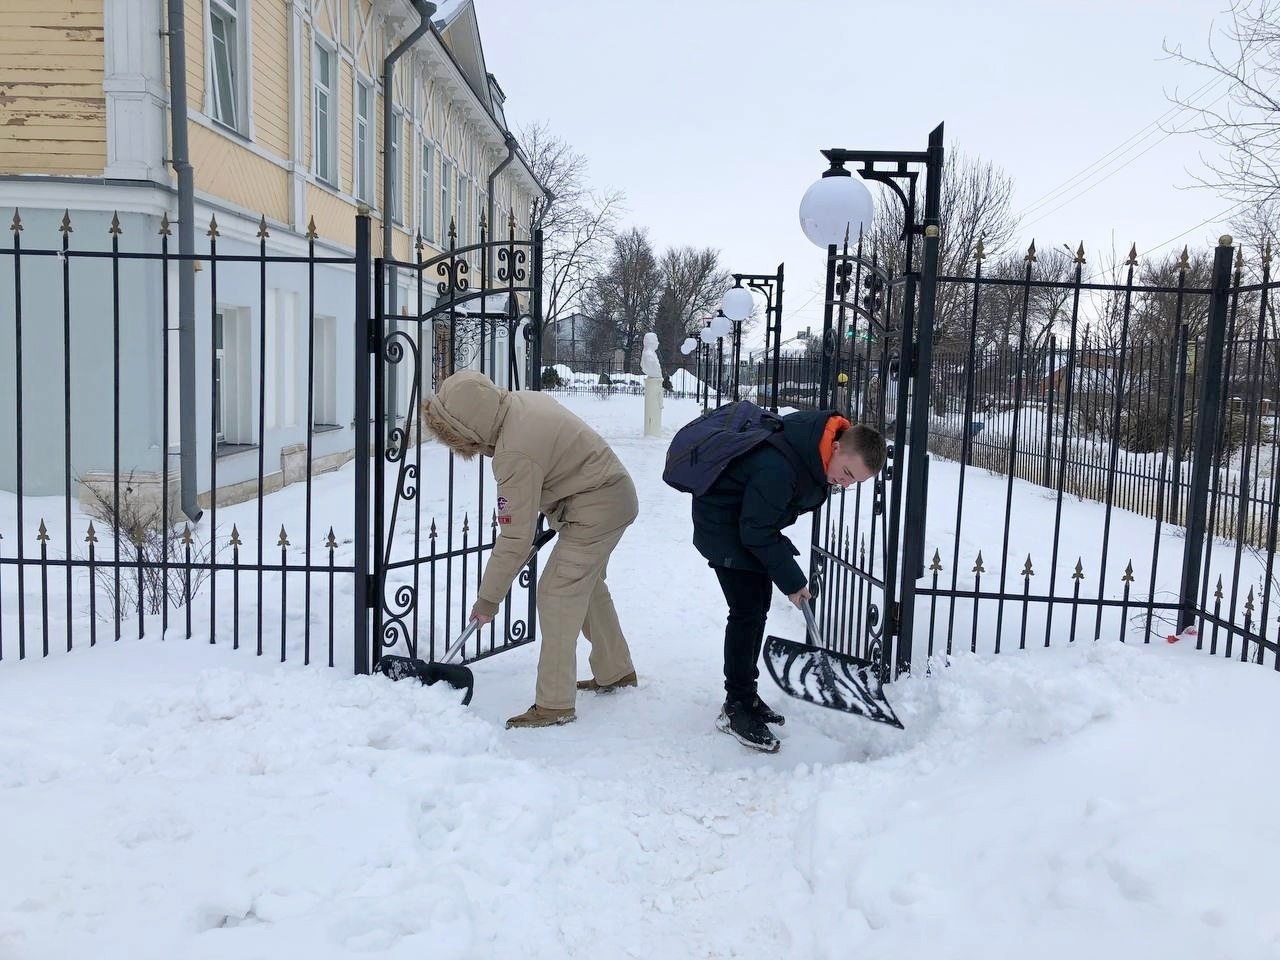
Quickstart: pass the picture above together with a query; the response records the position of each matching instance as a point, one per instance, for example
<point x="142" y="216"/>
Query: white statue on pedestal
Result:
<point x="649" y="357"/>
<point x="652" y="386"/>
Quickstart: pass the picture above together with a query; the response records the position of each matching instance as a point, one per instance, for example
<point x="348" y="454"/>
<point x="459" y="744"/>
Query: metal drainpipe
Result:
<point x="186" y="264"/>
<point x="425" y="10"/>
<point x="511" y="155"/>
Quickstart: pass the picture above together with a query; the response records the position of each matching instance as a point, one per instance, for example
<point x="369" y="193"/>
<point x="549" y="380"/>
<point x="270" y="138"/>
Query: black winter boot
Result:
<point x="767" y="713"/>
<point x="742" y="723"/>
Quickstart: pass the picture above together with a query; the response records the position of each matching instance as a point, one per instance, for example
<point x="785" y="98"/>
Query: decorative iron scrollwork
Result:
<point x="511" y="260"/>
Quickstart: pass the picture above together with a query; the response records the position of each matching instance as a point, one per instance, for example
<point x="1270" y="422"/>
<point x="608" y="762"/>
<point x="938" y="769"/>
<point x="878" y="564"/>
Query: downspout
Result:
<point x="425" y="10"/>
<point x="186" y="263"/>
<point x="511" y="155"/>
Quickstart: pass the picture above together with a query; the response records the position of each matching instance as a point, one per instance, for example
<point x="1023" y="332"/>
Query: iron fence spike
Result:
<point x="43" y="535"/>
<point x="1031" y="253"/>
<point x="92" y="535"/>
<point x="1133" y="256"/>
<point x="1239" y="258"/>
<point x="1184" y="261"/>
<point x="16" y="226"/>
<point x="1079" y="571"/>
<point x="164" y="224"/>
<point x="284" y="538"/>
<point x="66" y="223"/>
<point x="235" y="537"/>
<point x="213" y="228"/>
<point x="1248" y="603"/>
<point x="186" y="534"/>
<point x="1217" y="594"/>
<point x="1080" y="253"/>
<point x="978" y="566"/>
<point x="936" y="566"/>
<point x="1026" y="568"/>
<point x="311" y="227"/>
<point x="116" y="229"/>
<point x="331" y="542"/>
<point x="263" y="232"/>
<point x="1128" y="573"/>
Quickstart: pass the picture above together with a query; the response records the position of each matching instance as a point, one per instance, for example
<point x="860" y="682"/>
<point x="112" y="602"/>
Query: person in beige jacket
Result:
<point x="546" y="459"/>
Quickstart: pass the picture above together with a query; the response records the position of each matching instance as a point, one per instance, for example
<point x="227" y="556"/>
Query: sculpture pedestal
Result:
<point x="653" y="406"/>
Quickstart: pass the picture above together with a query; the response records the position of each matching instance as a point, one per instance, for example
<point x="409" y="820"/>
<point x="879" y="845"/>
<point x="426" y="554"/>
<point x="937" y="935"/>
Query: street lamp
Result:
<point x="835" y="212"/>
<point x="770" y="286"/>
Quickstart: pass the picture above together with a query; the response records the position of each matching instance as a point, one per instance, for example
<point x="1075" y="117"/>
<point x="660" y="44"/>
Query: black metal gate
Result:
<point x="473" y="305"/>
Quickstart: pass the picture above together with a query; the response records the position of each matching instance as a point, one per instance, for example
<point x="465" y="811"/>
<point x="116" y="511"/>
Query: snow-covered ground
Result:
<point x="176" y="799"/>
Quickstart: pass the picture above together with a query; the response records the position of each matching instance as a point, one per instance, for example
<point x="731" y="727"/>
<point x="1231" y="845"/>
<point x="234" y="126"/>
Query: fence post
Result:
<point x="1208" y="416"/>
<point x="360" y="356"/>
<point x="921" y="372"/>
<point x="535" y="342"/>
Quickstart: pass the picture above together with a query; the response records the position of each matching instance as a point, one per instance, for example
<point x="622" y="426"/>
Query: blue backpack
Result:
<point x="702" y="449"/>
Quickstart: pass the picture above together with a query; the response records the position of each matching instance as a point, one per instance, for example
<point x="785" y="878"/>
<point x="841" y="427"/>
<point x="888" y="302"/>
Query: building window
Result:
<point x="393" y="147"/>
<point x="227" y="63"/>
<point x="323" y="140"/>
<point x="446" y="178"/>
<point x="464" y="221"/>
<point x="364" y="141"/>
<point x="231" y="395"/>
<point x="324" y="384"/>
<point x="428" y="193"/>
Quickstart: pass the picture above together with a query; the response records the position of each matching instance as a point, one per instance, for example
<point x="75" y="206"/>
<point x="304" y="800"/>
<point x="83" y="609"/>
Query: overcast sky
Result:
<point x="709" y="114"/>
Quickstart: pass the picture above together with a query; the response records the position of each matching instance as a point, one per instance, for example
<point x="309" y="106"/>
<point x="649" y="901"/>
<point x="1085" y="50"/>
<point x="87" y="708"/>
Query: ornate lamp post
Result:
<point x="737" y="306"/>
<point x="835" y="212"/>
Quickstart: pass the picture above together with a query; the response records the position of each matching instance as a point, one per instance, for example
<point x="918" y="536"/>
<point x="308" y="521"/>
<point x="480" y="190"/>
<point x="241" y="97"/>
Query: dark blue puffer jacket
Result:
<point x="738" y="523"/>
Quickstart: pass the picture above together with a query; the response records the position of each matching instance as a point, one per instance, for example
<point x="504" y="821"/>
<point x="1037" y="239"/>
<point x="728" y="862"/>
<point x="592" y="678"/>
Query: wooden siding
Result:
<point x="53" y="113"/>
<point x="227" y="169"/>
<point x="271" y="77"/>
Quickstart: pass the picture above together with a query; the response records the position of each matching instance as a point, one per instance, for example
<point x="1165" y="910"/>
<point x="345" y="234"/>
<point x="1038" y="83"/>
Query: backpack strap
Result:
<point x="779" y="443"/>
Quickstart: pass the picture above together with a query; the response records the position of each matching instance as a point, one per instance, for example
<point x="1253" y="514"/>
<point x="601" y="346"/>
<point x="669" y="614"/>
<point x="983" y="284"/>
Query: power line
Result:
<point x="1123" y="147"/>
<point x="1160" y="246"/>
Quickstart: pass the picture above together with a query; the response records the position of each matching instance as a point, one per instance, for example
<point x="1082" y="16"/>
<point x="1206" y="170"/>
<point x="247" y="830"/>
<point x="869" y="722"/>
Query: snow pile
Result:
<point x="175" y="799"/>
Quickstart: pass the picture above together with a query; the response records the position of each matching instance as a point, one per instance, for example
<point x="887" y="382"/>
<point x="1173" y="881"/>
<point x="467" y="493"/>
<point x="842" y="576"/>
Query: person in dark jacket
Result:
<point x="738" y="527"/>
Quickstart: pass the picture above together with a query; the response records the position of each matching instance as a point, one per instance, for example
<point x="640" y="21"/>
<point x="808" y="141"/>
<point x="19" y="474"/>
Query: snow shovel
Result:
<point x="813" y="673"/>
<point x="456" y="675"/>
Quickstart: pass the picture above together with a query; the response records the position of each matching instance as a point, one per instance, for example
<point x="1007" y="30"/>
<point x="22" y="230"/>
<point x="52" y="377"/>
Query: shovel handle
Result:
<point x="815" y="637"/>
<point x="456" y="647"/>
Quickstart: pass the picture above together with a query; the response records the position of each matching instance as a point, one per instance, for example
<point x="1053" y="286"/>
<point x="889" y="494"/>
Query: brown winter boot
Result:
<point x="537" y="716"/>
<point x="627" y="680"/>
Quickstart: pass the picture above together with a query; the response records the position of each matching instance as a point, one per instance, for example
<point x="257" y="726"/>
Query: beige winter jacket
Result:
<point x="544" y="459"/>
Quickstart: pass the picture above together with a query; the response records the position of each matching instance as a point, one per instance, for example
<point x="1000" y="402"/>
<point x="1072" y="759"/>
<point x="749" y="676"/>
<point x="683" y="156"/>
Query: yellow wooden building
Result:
<point x="285" y="127"/>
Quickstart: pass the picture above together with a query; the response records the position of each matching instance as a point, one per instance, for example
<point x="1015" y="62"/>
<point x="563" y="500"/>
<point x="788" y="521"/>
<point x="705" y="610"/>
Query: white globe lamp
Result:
<point x="835" y="207"/>
<point x="707" y="336"/>
<point x="738" y="304"/>
<point x="721" y="327"/>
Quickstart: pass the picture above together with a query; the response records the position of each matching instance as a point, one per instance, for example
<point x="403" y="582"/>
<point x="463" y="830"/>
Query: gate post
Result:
<point x="1208" y="417"/>
<point x="535" y="341"/>
<point x="921" y="374"/>
<point x="360" y="357"/>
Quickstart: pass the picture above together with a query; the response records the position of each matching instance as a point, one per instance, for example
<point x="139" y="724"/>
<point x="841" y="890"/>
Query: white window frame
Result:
<point x="427" y="175"/>
<point x="328" y="173"/>
<point x="446" y="210"/>
<point x="236" y="13"/>
<point x="233" y="390"/>
<point x="462" y="189"/>
<point x="363" y="178"/>
<point x="395" y="144"/>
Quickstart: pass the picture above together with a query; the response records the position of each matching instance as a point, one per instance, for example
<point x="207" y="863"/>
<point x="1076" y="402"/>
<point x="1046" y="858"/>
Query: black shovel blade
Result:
<point x="828" y="679"/>
<point x="457" y="676"/>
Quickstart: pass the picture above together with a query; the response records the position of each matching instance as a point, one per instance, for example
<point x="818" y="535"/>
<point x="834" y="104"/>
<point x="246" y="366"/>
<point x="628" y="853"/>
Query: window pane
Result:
<point x="322" y="134"/>
<point x="224" y="68"/>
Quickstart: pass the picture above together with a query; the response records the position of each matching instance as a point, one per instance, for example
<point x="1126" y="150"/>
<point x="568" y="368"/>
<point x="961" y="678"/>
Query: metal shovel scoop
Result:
<point x="809" y="671"/>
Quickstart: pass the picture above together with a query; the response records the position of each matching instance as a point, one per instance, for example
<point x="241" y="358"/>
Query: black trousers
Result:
<point x="748" y="594"/>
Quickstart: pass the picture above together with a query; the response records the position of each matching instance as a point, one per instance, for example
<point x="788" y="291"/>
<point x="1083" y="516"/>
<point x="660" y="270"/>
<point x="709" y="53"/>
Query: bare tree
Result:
<point x="692" y="284"/>
<point x="626" y="292"/>
<point x="576" y="222"/>
<point x="1248" y="125"/>
<point x="977" y="198"/>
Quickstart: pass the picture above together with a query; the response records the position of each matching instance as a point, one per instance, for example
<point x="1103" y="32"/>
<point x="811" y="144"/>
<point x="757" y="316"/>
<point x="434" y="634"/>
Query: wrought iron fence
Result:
<point x="204" y="470"/>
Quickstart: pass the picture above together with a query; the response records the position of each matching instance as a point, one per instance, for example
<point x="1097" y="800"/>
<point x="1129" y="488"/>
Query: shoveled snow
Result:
<point x="180" y="800"/>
